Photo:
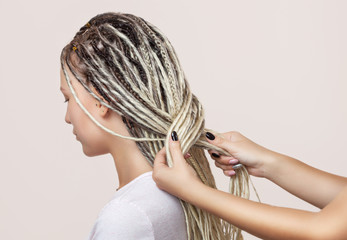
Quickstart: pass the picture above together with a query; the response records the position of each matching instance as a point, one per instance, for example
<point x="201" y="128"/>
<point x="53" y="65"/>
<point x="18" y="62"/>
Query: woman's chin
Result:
<point x="90" y="152"/>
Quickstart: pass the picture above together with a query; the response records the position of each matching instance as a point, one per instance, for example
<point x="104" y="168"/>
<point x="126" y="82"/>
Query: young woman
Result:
<point x="138" y="210"/>
<point x="322" y="189"/>
<point x="126" y="92"/>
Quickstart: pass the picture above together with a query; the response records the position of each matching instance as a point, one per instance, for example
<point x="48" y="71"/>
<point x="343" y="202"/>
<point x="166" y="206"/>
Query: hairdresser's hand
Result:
<point x="253" y="156"/>
<point x="178" y="179"/>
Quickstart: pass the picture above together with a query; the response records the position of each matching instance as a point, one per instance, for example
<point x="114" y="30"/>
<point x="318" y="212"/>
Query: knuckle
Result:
<point x="218" y="140"/>
<point x="237" y="135"/>
<point x="223" y="167"/>
<point x="226" y="161"/>
<point x="219" y="163"/>
<point x="226" y="167"/>
<point x="229" y="167"/>
<point x="233" y="134"/>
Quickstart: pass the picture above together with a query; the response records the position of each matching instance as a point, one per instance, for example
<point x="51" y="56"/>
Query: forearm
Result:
<point x="261" y="220"/>
<point x="310" y="184"/>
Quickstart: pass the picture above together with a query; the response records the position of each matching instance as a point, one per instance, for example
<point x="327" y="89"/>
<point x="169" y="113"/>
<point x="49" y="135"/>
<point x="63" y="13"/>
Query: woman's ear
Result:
<point x="103" y="110"/>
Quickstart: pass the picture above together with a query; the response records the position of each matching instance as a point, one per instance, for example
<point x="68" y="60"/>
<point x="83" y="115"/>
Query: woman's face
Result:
<point x="90" y="135"/>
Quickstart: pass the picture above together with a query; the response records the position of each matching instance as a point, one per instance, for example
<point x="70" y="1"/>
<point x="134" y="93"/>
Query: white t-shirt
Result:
<point x="140" y="210"/>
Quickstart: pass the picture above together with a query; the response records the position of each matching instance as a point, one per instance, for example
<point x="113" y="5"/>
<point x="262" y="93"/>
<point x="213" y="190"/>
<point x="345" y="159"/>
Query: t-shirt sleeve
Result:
<point x="122" y="220"/>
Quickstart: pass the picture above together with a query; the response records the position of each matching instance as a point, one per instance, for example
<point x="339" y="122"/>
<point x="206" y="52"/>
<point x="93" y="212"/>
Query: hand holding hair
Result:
<point x="178" y="179"/>
<point x="262" y="220"/>
<point x="253" y="156"/>
<point x="289" y="173"/>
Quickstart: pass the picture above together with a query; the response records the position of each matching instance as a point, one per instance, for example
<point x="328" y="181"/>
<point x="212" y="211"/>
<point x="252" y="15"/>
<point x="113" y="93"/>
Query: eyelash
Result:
<point x="66" y="100"/>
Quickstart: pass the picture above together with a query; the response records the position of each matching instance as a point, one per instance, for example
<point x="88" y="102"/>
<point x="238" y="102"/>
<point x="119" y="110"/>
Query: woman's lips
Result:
<point x="75" y="134"/>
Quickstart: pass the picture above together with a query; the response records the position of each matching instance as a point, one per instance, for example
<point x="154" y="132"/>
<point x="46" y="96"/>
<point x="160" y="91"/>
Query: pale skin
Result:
<point x="324" y="190"/>
<point x="128" y="159"/>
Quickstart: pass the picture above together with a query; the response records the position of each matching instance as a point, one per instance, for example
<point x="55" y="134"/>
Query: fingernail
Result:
<point x="215" y="155"/>
<point x="237" y="166"/>
<point x="210" y="136"/>
<point x="233" y="161"/>
<point x="231" y="173"/>
<point x="174" y="136"/>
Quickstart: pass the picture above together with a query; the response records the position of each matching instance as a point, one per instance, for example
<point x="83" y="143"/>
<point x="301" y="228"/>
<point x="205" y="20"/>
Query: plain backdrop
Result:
<point x="273" y="70"/>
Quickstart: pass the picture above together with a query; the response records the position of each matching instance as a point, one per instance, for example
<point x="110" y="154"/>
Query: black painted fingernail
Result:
<point x="215" y="155"/>
<point x="210" y="136"/>
<point x="174" y="136"/>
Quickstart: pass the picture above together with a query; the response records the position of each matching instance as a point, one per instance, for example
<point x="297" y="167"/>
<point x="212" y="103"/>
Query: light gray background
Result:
<point x="273" y="70"/>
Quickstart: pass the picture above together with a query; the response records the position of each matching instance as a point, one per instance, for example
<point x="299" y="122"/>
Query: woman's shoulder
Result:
<point x="142" y="202"/>
<point x="143" y="192"/>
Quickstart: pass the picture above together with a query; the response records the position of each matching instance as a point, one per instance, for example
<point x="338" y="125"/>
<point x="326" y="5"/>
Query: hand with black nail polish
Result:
<point x="242" y="151"/>
<point x="181" y="177"/>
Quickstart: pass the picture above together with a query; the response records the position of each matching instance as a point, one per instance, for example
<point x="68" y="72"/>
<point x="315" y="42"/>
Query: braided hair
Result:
<point x="134" y="67"/>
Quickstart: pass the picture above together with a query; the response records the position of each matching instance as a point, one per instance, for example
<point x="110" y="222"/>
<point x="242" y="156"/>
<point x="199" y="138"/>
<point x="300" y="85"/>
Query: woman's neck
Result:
<point x="129" y="162"/>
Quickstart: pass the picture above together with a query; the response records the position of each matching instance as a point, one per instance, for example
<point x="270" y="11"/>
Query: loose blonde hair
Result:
<point x="134" y="67"/>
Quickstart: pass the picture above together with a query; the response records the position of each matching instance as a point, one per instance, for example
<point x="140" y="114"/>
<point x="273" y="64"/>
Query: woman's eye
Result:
<point x="66" y="100"/>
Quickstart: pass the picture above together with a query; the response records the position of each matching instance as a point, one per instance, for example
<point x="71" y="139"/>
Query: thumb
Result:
<point x="220" y="142"/>
<point x="160" y="158"/>
<point x="175" y="149"/>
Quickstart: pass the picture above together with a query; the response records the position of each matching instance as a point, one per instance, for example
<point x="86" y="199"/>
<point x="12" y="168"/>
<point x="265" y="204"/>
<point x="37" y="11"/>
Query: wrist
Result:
<point x="271" y="160"/>
<point x="191" y="191"/>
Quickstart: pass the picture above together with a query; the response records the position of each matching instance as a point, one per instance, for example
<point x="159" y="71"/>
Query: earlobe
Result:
<point x="103" y="110"/>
